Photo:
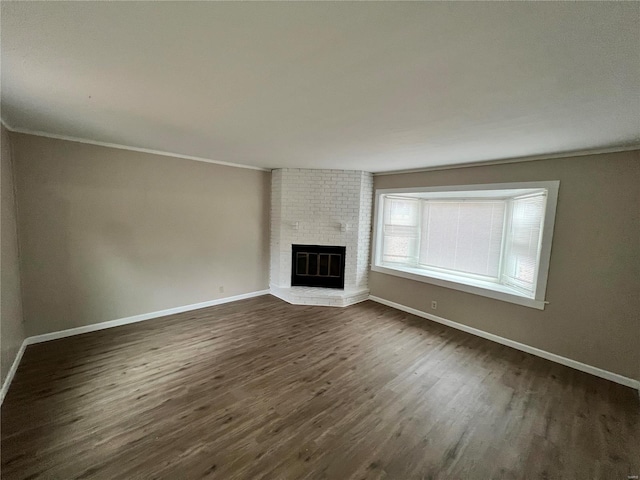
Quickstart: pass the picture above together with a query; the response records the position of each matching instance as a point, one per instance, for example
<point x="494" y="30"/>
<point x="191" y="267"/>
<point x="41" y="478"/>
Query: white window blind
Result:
<point x="400" y="230"/>
<point x="523" y="242"/>
<point x="463" y="236"/>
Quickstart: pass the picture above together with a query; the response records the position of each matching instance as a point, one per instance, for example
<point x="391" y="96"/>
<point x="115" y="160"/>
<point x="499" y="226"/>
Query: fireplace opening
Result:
<point x="317" y="266"/>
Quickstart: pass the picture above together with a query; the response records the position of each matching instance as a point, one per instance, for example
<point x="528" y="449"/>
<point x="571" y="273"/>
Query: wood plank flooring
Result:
<point x="260" y="389"/>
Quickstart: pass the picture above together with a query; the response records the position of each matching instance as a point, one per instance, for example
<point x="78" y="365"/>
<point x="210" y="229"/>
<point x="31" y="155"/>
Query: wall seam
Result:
<point x="16" y="212"/>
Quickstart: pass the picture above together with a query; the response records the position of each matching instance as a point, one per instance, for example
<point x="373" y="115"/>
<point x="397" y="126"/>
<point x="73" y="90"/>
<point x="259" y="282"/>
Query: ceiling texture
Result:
<point x="369" y="86"/>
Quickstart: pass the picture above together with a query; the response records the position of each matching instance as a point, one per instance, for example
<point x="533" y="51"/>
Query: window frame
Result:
<point x="467" y="284"/>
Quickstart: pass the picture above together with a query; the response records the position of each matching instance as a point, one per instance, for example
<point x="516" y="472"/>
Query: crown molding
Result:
<point x="6" y="125"/>
<point x="483" y="163"/>
<point x="547" y="156"/>
<point x="127" y="147"/>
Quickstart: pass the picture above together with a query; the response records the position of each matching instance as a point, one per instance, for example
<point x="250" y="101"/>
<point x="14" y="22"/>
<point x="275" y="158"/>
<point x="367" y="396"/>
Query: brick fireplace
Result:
<point x="326" y="208"/>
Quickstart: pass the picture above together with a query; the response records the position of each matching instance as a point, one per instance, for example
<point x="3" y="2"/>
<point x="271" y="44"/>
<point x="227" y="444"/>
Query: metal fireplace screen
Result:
<point x="317" y="266"/>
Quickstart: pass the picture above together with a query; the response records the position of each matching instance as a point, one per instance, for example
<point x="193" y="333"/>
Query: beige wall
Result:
<point x="594" y="278"/>
<point x="108" y="233"/>
<point x="11" y="327"/>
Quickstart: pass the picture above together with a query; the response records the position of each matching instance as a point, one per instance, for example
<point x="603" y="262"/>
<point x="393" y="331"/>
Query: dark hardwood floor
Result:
<point x="260" y="389"/>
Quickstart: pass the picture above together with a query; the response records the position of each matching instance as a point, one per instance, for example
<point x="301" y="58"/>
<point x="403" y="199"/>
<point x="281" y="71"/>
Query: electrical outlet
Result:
<point x="434" y="305"/>
<point x="221" y="289"/>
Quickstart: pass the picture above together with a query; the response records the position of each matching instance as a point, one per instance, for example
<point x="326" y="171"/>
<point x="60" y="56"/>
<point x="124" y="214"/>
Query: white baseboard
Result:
<point x="139" y="318"/>
<point x="114" y="323"/>
<point x="614" y="377"/>
<point x="583" y="367"/>
<point x="12" y="371"/>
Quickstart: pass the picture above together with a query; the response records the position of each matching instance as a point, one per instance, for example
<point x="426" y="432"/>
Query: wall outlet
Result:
<point x="434" y="305"/>
<point x="221" y="289"/>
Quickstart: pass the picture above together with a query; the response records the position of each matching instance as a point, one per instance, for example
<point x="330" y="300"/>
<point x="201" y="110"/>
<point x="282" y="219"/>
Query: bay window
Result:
<point x="492" y="240"/>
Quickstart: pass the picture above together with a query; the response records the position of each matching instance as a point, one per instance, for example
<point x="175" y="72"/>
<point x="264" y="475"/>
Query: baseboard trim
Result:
<point x="139" y="318"/>
<point x="583" y="367"/>
<point x="114" y="323"/>
<point x="12" y="371"/>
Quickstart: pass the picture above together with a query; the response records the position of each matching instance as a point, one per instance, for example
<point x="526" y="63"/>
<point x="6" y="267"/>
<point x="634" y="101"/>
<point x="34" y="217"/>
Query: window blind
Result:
<point x="400" y="230"/>
<point x="463" y="236"/>
<point x="523" y="242"/>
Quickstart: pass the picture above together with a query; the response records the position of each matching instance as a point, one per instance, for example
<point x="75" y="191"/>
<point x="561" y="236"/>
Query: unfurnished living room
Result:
<point x="320" y="240"/>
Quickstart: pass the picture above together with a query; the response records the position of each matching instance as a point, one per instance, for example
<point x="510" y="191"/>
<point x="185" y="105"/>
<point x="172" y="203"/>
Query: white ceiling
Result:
<point x="372" y="86"/>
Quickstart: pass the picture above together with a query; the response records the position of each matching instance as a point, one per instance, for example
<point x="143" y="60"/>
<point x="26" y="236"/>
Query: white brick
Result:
<point x="320" y="200"/>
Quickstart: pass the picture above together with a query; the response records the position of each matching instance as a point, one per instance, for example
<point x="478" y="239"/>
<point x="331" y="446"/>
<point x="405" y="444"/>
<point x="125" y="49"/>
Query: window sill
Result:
<point x="477" y="287"/>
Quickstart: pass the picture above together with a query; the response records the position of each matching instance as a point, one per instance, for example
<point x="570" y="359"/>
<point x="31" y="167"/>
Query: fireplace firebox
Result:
<point x="317" y="266"/>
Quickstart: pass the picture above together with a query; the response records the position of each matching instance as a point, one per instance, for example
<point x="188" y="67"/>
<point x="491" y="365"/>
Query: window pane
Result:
<point x="400" y="230"/>
<point x="301" y="263"/>
<point x="334" y="269"/>
<point x="324" y="264"/>
<point x="398" y="249"/>
<point x="439" y="230"/>
<point x="523" y="242"/>
<point x="463" y="236"/>
<point x="313" y="264"/>
<point x="401" y="212"/>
